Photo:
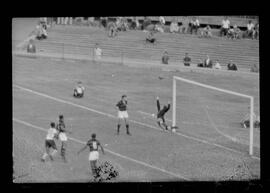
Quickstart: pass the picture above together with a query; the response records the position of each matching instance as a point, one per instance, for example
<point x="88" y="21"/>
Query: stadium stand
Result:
<point x="81" y="39"/>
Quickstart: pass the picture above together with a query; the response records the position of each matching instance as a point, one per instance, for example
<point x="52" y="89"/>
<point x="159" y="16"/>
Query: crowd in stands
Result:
<point x="185" y="24"/>
<point x="190" y="25"/>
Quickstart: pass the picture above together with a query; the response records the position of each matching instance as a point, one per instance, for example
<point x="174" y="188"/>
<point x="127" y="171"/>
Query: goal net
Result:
<point x="215" y="114"/>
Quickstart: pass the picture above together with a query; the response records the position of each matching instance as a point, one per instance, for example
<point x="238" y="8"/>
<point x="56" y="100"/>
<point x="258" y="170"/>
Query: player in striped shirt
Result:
<point x="160" y="115"/>
<point x="61" y="128"/>
<point x="50" y="143"/>
<point x="93" y="145"/>
<point x="122" y="114"/>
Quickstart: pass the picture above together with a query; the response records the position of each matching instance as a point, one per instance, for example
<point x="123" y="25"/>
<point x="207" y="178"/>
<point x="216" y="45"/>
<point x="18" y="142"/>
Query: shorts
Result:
<point x="49" y="143"/>
<point x="62" y="136"/>
<point x="122" y="114"/>
<point x="93" y="156"/>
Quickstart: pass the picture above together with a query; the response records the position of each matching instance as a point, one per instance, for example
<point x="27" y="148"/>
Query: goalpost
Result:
<point x="251" y="100"/>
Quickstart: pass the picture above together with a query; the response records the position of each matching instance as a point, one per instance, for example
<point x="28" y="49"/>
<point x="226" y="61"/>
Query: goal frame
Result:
<point x="251" y="98"/>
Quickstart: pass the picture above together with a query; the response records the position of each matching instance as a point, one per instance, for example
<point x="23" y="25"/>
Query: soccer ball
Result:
<point x="173" y="130"/>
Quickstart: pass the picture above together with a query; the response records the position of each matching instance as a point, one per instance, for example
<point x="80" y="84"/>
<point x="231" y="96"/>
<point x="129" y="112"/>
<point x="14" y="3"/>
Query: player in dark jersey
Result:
<point x="61" y="128"/>
<point x="93" y="145"/>
<point x="122" y="113"/>
<point x="161" y="113"/>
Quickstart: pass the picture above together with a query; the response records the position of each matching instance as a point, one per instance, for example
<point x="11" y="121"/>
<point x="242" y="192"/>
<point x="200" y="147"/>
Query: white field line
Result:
<point x="107" y="150"/>
<point x="137" y="122"/>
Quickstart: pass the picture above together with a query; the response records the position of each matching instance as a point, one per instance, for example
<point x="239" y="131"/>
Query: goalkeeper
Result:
<point x="160" y="115"/>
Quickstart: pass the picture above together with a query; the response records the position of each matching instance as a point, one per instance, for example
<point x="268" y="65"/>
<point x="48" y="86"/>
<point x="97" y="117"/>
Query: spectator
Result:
<point x="187" y="60"/>
<point x="206" y="32"/>
<point x="31" y="48"/>
<point x="162" y="20"/>
<point x="103" y="21"/>
<point x="150" y="38"/>
<point x="43" y="22"/>
<point x="185" y="25"/>
<point x="146" y="22"/>
<point x="200" y="64"/>
<point x="231" y="66"/>
<point x="195" y="24"/>
<point x="159" y="28"/>
<point x="112" y="29"/>
<point x="133" y="24"/>
<point x="255" y="34"/>
<point x="174" y="26"/>
<point x="254" y="68"/>
<point x="98" y="51"/>
<point x="250" y="29"/>
<point x="41" y="32"/>
<point x="236" y="32"/>
<point x="91" y="21"/>
<point x="165" y="58"/>
<point x="224" y="26"/>
<point x="217" y="65"/>
<point x="208" y="62"/>
<point x="230" y="33"/>
<point x="137" y="23"/>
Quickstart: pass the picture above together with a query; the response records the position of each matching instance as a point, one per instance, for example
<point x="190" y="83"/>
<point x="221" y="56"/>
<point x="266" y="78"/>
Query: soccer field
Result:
<point x="43" y="88"/>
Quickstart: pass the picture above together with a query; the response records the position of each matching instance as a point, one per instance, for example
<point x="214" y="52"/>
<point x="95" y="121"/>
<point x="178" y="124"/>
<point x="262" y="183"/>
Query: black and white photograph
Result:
<point x="115" y="99"/>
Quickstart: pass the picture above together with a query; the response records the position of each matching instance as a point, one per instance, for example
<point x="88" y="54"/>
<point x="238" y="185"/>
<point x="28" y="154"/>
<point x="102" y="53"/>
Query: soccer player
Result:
<point x="160" y="115"/>
<point x="50" y="143"/>
<point x="93" y="145"/>
<point x="61" y="128"/>
<point x="79" y="90"/>
<point x="122" y="114"/>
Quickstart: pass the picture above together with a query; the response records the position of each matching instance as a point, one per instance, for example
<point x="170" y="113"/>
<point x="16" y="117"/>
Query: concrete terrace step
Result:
<point x="131" y="44"/>
<point x="109" y="52"/>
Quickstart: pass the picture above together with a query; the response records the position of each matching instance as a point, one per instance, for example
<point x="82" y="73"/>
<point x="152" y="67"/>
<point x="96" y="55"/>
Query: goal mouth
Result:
<point x="213" y="114"/>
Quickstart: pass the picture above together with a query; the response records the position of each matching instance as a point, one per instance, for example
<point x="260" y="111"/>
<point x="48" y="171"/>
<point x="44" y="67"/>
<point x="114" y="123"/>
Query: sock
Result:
<point x="118" y="128"/>
<point x="127" y="126"/>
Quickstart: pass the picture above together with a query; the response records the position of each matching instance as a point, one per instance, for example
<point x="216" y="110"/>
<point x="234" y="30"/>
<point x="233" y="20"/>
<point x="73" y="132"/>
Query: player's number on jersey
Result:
<point x="94" y="145"/>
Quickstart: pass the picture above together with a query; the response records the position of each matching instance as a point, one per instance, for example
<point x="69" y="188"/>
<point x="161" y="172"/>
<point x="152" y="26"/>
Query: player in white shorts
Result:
<point x="122" y="114"/>
<point x="79" y="90"/>
<point x="50" y="143"/>
<point x="61" y="127"/>
<point x="93" y="145"/>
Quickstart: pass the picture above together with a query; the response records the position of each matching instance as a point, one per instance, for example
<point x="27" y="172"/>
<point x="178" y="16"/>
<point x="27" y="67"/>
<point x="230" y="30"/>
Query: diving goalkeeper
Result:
<point x="160" y="115"/>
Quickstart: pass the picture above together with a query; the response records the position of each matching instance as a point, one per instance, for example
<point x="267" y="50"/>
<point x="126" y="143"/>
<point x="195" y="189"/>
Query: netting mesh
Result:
<point x="213" y="115"/>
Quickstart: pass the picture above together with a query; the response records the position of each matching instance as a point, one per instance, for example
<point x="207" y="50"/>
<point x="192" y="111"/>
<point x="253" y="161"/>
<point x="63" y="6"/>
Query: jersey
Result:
<point x="80" y="89"/>
<point x="162" y="112"/>
<point x="61" y="126"/>
<point x="93" y="144"/>
<point x="51" y="133"/>
<point x="122" y="105"/>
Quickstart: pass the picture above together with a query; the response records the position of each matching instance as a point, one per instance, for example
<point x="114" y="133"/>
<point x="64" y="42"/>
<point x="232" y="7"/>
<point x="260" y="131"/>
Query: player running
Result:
<point x="61" y="128"/>
<point x="79" y="90"/>
<point x="50" y="143"/>
<point x="93" y="145"/>
<point x="160" y="115"/>
<point x="122" y="114"/>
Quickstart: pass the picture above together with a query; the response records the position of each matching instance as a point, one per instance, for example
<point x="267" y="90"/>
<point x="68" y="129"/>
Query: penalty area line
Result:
<point x="137" y="122"/>
<point x="112" y="152"/>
